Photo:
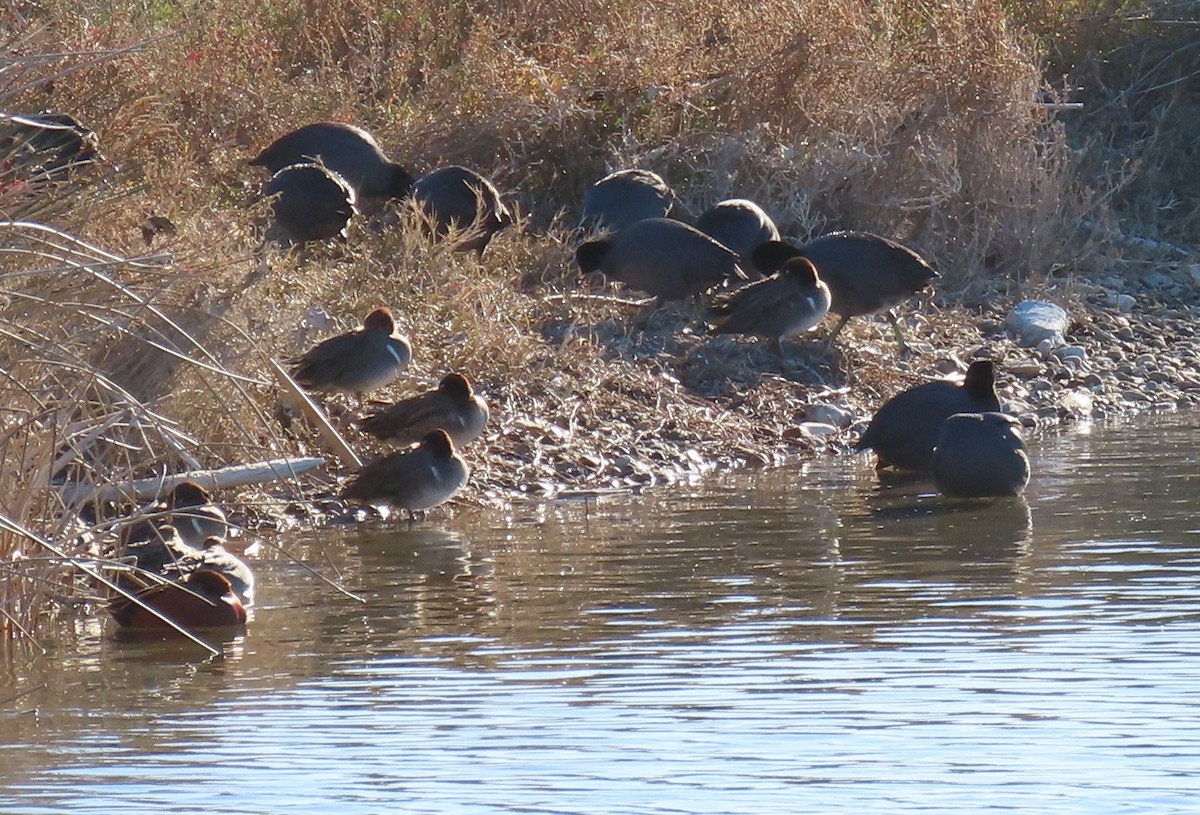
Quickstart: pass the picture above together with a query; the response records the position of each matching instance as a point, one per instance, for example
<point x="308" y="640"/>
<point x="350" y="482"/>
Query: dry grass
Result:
<point x="925" y="122"/>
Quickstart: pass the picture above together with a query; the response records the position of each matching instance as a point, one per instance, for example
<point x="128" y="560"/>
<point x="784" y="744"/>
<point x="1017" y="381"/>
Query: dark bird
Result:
<point x="905" y="429"/>
<point x="203" y="599"/>
<point x="980" y="455"/>
<point x="739" y="224"/>
<point x="191" y="511"/>
<point x="358" y="361"/>
<point x="668" y="259"/>
<point x="416" y="479"/>
<point x="865" y="273"/>
<point x="459" y="198"/>
<point x="453" y="407"/>
<point x="187" y="511"/>
<point x="789" y="302"/>
<point x="45" y="146"/>
<point x="214" y="557"/>
<point x="309" y="203"/>
<point x="156" y="552"/>
<point x="349" y="151"/>
<point x="625" y="197"/>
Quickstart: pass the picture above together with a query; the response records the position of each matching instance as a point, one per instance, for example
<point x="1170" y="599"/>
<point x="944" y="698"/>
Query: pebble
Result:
<point x="818" y="430"/>
<point x="1125" y="303"/>
<point x="829" y="414"/>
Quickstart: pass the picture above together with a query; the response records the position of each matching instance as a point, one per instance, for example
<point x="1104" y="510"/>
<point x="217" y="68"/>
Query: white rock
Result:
<point x="818" y="430"/>
<point x="1033" y="321"/>
<point x="1125" y="303"/>
<point x="1194" y="271"/>
<point x="829" y="414"/>
<point x="1078" y="402"/>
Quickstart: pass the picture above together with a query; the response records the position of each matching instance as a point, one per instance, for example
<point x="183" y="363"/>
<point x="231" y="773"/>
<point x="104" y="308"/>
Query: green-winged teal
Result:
<point x="789" y="302"/>
<point x="865" y="273"/>
<point x="358" y="361"/>
<point x="414" y="479"/>
<point x="453" y="406"/>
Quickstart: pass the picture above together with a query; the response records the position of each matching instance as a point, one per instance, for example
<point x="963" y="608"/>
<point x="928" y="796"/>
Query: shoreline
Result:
<point x="726" y="402"/>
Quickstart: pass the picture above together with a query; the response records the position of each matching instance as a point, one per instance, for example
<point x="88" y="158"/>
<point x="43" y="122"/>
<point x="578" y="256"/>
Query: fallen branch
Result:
<point x="237" y="476"/>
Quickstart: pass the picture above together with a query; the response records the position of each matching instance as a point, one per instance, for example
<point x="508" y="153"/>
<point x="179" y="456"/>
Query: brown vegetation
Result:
<point x="930" y="123"/>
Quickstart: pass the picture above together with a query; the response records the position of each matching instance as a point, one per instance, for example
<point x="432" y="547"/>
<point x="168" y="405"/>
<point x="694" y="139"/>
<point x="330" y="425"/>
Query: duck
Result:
<point x="453" y="406"/>
<point x="358" y="361"/>
<point x="739" y="224"/>
<point x="188" y="512"/>
<point x="309" y="202"/>
<point x="202" y="599"/>
<point x="347" y="150"/>
<point x="790" y="302"/>
<point x="866" y="274"/>
<point x="980" y="455"/>
<point x="46" y="146"/>
<point x="215" y="556"/>
<point x="155" y="552"/>
<point x="416" y="479"/>
<point x="664" y="257"/>
<point x="904" y="431"/>
<point x="193" y="514"/>
<point x="624" y="197"/>
<point x="460" y="198"/>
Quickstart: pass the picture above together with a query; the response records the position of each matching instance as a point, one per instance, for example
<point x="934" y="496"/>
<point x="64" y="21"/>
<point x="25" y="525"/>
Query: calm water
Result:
<point x="794" y="641"/>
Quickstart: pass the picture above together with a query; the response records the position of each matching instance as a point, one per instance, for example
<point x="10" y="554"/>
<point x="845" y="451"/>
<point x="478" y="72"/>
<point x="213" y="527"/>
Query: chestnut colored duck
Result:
<point x="203" y="599"/>
<point x="453" y="406"/>
<point x="347" y="150"/>
<point x="416" y="479"/>
<point x="789" y="302"/>
<point x="358" y="361"/>
<point x="905" y="429"/>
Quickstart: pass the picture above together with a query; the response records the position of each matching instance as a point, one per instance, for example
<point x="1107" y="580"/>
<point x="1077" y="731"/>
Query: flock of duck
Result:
<point x="769" y="288"/>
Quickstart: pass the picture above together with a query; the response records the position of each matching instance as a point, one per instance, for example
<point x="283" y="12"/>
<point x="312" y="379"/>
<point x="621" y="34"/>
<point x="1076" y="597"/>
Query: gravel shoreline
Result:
<point x="692" y="403"/>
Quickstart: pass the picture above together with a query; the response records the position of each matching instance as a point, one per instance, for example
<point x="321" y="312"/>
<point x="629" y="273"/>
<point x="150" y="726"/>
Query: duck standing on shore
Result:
<point x="865" y="273"/>
<point x="453" y="406"/>
<point x="416" y="479"/>
<point x="358" y="361"/>
<point x="789" y="302"/>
